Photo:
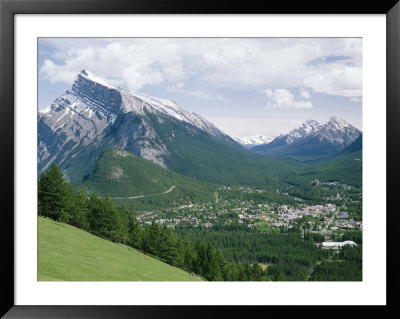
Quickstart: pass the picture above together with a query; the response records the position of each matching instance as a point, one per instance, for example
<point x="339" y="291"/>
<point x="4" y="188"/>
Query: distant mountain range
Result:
<point x="253" y="140"/>
<point x="93" y="116"/>
<point x="311" y="140"/>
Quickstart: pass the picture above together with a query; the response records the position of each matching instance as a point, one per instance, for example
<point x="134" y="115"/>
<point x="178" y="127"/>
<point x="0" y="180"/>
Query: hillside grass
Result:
<point x="120" y="175"/>
<point x="66" y="253"/>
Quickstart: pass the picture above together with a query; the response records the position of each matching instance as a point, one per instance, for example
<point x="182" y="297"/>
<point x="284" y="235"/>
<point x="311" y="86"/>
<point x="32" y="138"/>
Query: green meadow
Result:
<point x="66" y="253"/>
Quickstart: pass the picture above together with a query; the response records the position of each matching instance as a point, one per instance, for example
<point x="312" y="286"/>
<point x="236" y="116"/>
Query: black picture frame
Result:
<point x="8" y="8"/>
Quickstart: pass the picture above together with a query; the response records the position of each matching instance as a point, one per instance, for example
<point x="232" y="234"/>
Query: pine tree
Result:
<point x="103" y="218"/>
<point x="200" y="261"/>
<point x="78" y="216"/>
<point x="54" y="195"/>
<point x="151" y="240"/>
<point x="167" y="249"/>
<point x="121" y="227"/>
<point x="212" y="271"/>
<point x="233" y="271"/>
<point x="279" y="275"/>
<point x="222" y="265"/>
<point x="190" y="255"/>
<point x="247" y="272"/>
<point x="180" y="257"/>
<point x="257" y="272"/>
<point x="135" y="231"/>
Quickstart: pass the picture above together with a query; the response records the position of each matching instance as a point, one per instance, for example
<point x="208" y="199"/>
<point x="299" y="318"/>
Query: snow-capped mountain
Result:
<point x="77" y="117"/>
<point x="94" y="115"/>
<point x="91" y="95"/>
<point x="308" y="127"/>
<point x="312" y="139"/>
<point x="253" y="140"/>
<point x="337" y="131"/>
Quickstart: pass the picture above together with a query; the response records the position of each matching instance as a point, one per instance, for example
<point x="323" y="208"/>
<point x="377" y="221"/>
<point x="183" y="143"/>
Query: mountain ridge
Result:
<point x="312" y="140"/>
<point x="79" y="125"/>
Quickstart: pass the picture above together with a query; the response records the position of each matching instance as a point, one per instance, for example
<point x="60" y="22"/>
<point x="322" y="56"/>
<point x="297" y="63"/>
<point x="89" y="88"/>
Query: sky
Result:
<point x="245" y="86"/>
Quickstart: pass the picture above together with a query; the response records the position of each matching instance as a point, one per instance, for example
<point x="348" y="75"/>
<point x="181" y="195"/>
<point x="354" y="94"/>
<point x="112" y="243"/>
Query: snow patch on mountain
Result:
<point x="91" y="77"/>
<point x="308" y="127"/>
<point x="253" y="140"/>
<point x="171" y="109"/>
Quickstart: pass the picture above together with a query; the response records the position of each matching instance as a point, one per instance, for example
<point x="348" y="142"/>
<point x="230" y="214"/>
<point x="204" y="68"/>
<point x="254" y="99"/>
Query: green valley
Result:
<point x="345" y="167"/>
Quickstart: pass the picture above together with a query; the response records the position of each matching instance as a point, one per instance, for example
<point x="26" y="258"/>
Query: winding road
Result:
<point x="142" y="196"/>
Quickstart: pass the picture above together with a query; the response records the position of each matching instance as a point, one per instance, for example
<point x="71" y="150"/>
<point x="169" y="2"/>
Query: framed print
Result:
<point x="166" y="159"/>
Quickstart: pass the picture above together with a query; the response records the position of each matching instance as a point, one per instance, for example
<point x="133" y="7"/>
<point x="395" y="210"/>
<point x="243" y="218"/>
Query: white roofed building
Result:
<point x="337" y="244"/>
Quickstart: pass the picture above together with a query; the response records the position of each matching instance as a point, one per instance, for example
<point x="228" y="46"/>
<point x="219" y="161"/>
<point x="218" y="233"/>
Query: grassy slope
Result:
<point x="119" y="173"/>
<point x="66" y="253"/>
<point x="138" y="177"/>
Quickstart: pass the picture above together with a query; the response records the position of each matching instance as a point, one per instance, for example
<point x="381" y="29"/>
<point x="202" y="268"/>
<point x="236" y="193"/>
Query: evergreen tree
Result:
<point x="54" y="195"/>
<point x="180" y="258"/>
<point x="213" y="270"/>
<point x="121" y="227"/>
<point x="279" y="275"/>
<point x="223" y="267"/>
<point x="136" y="233"/>
<point x="200" y="261"/>
<point x="168" y="245"/>
<point x="247" y="272"/>
<point x="233" y="271"/>
<point x="78" y="215"/>
<point x="257" y="272"/>
<point x="103" y="218"/>
<point x="151" y="240"/>
<point x="190" y="255"/>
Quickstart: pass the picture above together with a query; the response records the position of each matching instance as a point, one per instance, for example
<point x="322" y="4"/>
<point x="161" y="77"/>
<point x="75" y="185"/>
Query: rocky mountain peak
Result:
<point x="312" y="139"/>
<point x="93" y="113"/>
<point x="89" y="76"/>
<point x="338" y="122"/>
<point x="96" y="93"/>
<point x="308" y="127"/>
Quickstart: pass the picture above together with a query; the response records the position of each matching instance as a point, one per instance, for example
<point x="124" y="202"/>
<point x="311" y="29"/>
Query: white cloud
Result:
<point x="243" y="64"/>
<point x="284" y="99"/>
<point x="196" y="93"/>
<point x="304" y="94"/>
<point x="130" y="64"/>
<point x="355" y="99"/>
<point x="53" y="72"/>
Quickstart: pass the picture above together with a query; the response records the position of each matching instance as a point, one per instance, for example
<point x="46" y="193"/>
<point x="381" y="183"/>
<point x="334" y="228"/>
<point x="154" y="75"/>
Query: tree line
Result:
<point x="288" y="255"/>
<point x="99" y="216"/>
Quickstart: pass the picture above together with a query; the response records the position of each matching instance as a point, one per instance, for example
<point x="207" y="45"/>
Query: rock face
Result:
<point x="94" y="115"/>
<point x="312" y="139"/>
